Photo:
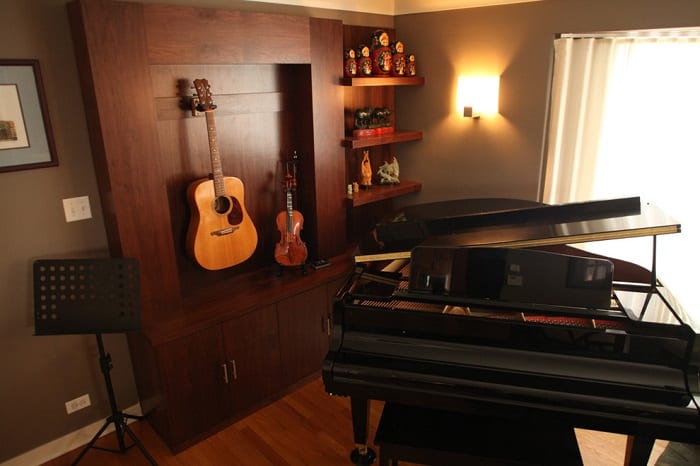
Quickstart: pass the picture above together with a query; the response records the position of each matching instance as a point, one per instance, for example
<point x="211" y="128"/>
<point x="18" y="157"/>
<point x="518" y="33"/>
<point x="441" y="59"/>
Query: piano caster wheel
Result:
<point x="359" y="459"/>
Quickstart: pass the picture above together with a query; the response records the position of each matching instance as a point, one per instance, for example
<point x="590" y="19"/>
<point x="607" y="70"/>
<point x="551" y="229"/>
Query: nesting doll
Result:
<point x="398" y="59"/>
<point x="381" y="53"/>
<point x="411" y="65"/>
<point x="364" y="62"/>
<point x="349" y="64"/>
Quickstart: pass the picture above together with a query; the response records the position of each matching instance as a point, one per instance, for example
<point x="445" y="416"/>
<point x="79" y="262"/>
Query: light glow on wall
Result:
<point x="479" y="93"/>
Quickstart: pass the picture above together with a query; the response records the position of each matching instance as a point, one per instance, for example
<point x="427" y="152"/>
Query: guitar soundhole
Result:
<point x="230" y="207"/>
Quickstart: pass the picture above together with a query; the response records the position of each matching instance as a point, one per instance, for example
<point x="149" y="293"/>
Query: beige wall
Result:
<point x="39" y="374"/>
<point x="498" y="157"/>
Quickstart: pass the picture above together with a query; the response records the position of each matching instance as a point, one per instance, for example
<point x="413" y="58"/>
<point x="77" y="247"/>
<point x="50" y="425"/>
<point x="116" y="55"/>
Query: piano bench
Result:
<point x="428" y="436"/>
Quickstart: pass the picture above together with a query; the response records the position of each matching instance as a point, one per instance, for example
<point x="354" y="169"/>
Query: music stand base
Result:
<point x="117" y="418"/>
<point x="120" y="428"/>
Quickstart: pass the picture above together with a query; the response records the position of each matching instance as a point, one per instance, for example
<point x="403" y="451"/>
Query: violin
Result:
<point x="291" y="250"/>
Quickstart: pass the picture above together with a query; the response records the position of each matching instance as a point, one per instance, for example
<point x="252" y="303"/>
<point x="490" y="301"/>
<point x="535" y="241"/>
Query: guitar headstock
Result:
<point x="204" y="95"/>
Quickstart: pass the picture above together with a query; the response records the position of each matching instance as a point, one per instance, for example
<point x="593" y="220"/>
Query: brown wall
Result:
<point x="39" y="374"/>
<point x="498" y="157"/>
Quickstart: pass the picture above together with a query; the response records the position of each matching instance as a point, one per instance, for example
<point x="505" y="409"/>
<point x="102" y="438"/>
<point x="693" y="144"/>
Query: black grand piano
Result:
<point x="486" y="302"/>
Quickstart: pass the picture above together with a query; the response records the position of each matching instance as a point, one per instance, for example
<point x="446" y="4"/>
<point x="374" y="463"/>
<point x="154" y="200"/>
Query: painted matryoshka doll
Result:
<point x="411" y="65"/>
<point x="398" y="59"/>
<point x="364" y="62"/>
<point x="381" y="53"/>
<point x="349" y="64"/>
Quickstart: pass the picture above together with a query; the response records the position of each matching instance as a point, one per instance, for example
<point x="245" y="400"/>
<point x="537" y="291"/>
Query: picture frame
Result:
<point x="26" y="138"/>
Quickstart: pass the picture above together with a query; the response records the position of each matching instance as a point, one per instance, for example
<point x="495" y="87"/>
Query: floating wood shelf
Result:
<point x="380" y="192"/>
<point x="383" y="81"/>
<point x="389" y="138"/>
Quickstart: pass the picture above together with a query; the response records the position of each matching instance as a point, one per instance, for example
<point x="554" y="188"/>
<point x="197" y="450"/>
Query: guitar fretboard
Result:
<point x="217" y="171"/>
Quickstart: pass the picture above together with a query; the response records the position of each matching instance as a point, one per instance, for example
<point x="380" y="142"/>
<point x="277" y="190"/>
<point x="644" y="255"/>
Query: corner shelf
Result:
<point x="358" y="93"/>
<point x="383" y="81"/>
<point x="380" y="192"/>
<point x="389" y="138"/>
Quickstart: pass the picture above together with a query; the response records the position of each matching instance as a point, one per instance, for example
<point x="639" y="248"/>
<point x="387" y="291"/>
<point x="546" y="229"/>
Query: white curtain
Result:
<point x="579" y="89"/>
<point x="625" y="121"/>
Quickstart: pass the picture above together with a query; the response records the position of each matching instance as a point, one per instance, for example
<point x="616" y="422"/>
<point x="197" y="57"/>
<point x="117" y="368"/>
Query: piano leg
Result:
<point x="362" y="455"/>
<point x="638" y="450"/>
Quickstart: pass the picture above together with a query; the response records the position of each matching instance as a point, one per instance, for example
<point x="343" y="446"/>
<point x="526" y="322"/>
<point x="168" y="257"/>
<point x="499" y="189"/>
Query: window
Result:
<point x="625" y="121"/>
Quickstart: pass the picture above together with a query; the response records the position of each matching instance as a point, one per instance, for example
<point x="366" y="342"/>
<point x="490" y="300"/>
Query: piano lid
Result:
<point x="513" y="223"/>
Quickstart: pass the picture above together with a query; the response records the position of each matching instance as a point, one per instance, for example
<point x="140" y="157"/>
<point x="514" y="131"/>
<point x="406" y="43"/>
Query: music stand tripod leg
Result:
<point x="91" y="443"/>
<point x="117" y="417"/>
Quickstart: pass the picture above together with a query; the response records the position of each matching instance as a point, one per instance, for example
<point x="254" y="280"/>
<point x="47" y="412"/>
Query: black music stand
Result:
<point x="81" y="296"/>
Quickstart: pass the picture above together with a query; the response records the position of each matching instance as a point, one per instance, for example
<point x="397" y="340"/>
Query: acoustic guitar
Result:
<point x="221" y="234"/>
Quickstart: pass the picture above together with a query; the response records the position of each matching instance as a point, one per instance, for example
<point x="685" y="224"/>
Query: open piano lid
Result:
<point x="511" y="223"/>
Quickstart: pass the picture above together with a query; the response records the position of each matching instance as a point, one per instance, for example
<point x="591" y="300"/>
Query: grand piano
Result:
<point x="488" y="302"/>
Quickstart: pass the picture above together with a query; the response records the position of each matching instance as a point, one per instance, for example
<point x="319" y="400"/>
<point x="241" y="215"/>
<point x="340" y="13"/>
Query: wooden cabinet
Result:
<point x="213" y="374"/>
<point x="304" y="325"/>
<point x="252" y="357"/>
<point x="222" y="372"/>
<point x="194" y="385"/>
<point x="214" y="344"/>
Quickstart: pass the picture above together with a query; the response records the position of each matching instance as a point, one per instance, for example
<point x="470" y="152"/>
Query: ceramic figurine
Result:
<point x="388" y="173"/>
<point x="381" y="117"/>
<point x="363" y="117"/>
<point x="365" y="171"/>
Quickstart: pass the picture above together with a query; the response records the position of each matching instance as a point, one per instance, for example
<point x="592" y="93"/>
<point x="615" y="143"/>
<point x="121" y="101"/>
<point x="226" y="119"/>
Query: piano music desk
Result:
<point x="428" y="436"/>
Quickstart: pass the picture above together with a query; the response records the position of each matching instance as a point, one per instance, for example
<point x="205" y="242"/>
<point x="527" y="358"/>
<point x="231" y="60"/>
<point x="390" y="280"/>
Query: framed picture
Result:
<point x="26" y="140"/>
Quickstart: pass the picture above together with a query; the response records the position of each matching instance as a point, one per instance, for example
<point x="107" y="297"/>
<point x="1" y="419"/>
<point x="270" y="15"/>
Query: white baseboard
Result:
<point x="68" y="442"/>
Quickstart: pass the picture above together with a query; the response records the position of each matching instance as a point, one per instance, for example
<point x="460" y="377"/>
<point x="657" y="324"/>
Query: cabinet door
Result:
<point x="303" y="321"/>
<point x="194" y="383"/>
<point x="252" y="352"/>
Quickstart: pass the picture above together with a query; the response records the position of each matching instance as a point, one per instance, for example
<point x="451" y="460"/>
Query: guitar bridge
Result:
<point x="224" y="231"/>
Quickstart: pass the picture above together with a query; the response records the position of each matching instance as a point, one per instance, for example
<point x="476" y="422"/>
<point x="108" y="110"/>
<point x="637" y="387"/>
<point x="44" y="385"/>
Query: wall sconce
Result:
<point x="477" y="95"/>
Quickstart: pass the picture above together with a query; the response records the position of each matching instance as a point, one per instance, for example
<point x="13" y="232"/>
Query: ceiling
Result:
<point x="393" y="7"/>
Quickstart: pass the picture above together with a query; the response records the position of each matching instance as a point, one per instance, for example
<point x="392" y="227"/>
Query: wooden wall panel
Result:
<point x="329" y="160"/>
<point x="256" y="132"/>
<point x="203" y="35"/>
<point x="142" y="60"/>
<point x="124" y="138"/>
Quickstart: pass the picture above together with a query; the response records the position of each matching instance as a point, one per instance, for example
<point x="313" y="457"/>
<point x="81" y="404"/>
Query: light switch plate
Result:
<point x="77" y="208"/>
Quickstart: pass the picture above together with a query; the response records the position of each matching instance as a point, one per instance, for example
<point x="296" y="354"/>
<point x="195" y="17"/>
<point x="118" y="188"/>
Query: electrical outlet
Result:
<point x="77" y="208"/>
<point x="78" y="403"/>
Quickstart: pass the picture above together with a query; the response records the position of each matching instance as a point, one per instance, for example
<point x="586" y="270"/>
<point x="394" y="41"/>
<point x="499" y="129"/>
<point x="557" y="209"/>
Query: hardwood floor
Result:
<point x="307" y="427"/>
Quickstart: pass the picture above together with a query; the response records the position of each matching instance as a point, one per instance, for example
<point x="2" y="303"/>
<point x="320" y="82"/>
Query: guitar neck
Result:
<point x="216" y="169"/>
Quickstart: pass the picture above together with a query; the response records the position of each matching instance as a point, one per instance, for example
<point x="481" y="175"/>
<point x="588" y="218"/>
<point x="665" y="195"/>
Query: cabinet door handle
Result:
<point x="233" y="367"/>
<point x="225" y="373"/>
<point x="328" y="326"/>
